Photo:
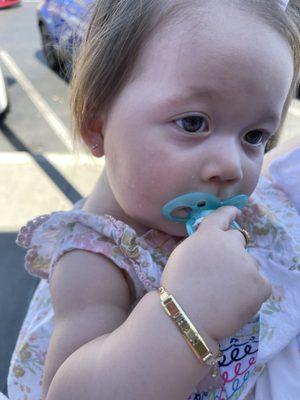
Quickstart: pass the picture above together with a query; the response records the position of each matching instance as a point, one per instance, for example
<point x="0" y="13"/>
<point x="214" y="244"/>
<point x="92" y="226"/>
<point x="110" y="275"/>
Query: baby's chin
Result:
<point x="175" y="229"/>
<point x="163" y="225"/>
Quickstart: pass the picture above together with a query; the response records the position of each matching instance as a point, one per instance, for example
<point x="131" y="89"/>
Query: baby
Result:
<point x="180" y="97"/>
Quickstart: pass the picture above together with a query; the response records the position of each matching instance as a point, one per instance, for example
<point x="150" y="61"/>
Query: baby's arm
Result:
<point x="107" y="358"/>
<point x="90" y="298"/>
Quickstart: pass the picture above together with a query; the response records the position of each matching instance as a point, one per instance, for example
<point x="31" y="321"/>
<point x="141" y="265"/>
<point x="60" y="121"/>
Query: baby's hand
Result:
<point x="214" y="279"/>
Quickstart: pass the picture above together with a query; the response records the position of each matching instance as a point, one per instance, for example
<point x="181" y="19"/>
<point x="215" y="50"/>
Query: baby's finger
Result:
<point x="236" y="234"/>
<point x="222" y="218"/>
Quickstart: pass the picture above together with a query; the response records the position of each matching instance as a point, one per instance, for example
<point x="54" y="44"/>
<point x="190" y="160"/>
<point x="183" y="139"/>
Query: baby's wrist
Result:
<point x="205" y="348"/>
<point x="200" y="317"/>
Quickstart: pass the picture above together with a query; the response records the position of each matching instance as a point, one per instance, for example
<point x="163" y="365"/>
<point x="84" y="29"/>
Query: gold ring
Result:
<point x="245" y="234"/>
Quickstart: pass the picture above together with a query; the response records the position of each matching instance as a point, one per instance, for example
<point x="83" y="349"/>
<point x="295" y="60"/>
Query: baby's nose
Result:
<point x="223" y="164"/>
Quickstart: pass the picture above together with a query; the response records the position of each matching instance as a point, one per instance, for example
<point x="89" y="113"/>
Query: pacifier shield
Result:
<point x="190" y="207"/>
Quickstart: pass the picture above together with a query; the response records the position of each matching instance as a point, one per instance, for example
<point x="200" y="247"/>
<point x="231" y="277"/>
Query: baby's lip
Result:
<point x="225" y="195"/>
<point x="223" y="198"/>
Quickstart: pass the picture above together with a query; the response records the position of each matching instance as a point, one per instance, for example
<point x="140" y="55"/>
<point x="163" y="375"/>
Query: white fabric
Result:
<point x="284" y="3"/>
<point x="285" y="173"/>
<point x="281" y="372"/>
<point x="282" y="368"/>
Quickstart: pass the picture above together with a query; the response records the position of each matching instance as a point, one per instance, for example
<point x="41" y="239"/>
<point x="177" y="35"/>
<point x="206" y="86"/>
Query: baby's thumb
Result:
<point x="222" y="218"/>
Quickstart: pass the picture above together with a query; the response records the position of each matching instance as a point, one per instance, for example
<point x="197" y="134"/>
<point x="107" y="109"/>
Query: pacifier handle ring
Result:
<point x="193" y="200"/>
<point x="189" y="200"/>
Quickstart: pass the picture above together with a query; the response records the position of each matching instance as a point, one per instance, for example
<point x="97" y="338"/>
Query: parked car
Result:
<point x="3" y="97"/>
<point x="9" y="3"/>
<point x="62" y="24"/>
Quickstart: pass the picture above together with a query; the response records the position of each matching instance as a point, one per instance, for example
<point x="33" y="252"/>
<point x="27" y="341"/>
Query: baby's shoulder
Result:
<point x="101" y="284"/>
<point x="48" y="237"/>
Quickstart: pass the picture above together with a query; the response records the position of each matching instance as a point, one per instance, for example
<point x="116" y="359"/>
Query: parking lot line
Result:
<point x="295" y="108"/>
<point x="48" y="114"/>
<point x="35" y="184"/>
<point x="27" y="189"/>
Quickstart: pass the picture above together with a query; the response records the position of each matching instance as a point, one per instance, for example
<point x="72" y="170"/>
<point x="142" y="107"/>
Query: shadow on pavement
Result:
<point x="57" y="178"/>
<point x="16" y="285"/>
<point x="16" y="290"/>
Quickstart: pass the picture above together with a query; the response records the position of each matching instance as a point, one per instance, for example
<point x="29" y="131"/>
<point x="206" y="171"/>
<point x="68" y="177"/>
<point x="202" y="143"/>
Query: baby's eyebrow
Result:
<point x="170" y="101"/>
<point x="190" y="94"/>
<point x="270" y="116"/>
<point x="214" y="96"/>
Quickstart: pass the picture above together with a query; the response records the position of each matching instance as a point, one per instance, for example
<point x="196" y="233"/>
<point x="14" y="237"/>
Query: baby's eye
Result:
<point x="256" y="137"/>
<point x="193" y="124"/>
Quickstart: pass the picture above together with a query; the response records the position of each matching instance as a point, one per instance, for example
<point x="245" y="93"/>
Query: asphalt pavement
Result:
<point x="38" y="172"/>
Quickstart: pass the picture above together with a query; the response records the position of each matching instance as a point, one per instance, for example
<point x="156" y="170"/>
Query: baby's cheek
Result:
<point x="251" y="180"/>
<point x="147" y="187"/>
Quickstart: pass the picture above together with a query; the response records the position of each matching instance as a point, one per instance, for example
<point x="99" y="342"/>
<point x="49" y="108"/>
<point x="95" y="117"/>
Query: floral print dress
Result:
<point x="256" y="360"/>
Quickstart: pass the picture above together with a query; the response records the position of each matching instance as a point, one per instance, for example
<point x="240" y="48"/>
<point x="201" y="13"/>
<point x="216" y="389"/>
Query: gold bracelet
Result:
<point x="189" y="332"/>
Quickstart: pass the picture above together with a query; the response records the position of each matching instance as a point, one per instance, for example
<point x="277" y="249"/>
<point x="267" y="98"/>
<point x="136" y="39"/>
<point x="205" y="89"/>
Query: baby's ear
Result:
<point x="92" y="135"/>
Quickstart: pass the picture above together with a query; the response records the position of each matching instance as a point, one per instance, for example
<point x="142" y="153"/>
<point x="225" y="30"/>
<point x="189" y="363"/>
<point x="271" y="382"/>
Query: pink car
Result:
<point x="9" y="3"/>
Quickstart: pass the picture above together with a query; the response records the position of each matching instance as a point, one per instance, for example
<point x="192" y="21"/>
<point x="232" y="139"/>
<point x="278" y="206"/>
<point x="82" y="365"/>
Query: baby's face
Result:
<point x="205" y="97"/>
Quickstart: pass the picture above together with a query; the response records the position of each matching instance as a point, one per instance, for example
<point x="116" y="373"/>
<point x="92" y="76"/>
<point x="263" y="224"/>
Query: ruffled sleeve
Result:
<point x="40" y="244"/>
<point x="48" y="237"/>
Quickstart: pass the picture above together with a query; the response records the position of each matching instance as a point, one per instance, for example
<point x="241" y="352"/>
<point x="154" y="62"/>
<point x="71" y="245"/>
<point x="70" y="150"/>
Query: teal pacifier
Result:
<point x="198" y="205"/>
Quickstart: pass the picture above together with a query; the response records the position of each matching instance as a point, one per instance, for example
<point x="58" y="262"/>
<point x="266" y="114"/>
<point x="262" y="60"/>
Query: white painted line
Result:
<point x="48" y="114"/>
<point x="295" y="108"/>
<point x="18" y="157"/>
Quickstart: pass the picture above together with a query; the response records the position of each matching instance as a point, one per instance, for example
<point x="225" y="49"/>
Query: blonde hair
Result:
<point x="117" y="32"/>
